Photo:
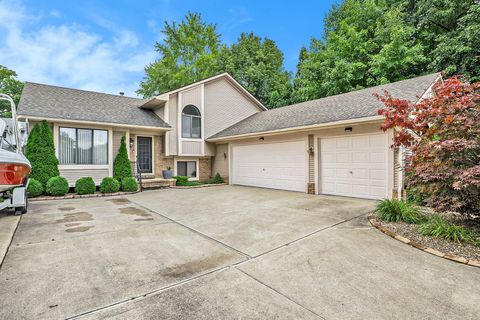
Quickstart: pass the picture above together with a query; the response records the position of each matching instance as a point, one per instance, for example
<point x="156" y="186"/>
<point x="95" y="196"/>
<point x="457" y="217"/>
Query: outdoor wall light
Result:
<point x="310" y="151"/>
<point x="131" y="142"/>
<point x="225" y="155"/>
<point x="348" y="129"/>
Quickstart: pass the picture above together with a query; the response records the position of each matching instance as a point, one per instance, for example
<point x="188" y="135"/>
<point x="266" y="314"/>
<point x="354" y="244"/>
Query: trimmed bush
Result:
<point x="184" y="182"/>
<point x="217" y="179"/>
<point x="129" y="184"/>
<point x="440" y="227"/>
<point x="57" y="186"/>
<point x="85" y="185"/>
<point x="40" y="150"/>
<point x="35" y="188"/>
<point x="394" y="210"/>
<point x="109" y="185"/>
<point x="122" y="167"/>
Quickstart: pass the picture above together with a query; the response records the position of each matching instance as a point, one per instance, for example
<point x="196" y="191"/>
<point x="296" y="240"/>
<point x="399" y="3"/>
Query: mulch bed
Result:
<point x="80" y="196"/>
<point x="411" y="231"/>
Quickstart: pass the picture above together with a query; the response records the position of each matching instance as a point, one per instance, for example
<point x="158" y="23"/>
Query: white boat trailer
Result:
<point x="16" y="199"/>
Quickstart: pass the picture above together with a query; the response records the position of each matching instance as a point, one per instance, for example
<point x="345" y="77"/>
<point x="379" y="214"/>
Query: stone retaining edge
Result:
<point x="373" y="221"/>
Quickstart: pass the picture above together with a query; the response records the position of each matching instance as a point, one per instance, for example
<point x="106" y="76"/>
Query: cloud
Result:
<point x="70" y="54"/>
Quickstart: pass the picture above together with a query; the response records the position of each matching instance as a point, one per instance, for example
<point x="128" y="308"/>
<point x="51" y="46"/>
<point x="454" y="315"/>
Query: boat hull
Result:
<point x="14" y="170"/>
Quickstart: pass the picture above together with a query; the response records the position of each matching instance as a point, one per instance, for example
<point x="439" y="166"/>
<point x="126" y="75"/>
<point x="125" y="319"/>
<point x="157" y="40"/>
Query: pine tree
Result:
<point x="40" y="151"/>
<point x="121" y="166"/>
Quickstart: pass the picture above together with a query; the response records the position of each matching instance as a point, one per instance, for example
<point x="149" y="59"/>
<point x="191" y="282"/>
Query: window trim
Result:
<point x="93" y="145"/>
<point x="190" y="116"/>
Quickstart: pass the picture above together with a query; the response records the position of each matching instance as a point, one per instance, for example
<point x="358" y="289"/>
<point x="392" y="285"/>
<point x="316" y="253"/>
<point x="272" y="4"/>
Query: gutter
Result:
<point x="298" y="129"/>
<point x="93" y="122"/>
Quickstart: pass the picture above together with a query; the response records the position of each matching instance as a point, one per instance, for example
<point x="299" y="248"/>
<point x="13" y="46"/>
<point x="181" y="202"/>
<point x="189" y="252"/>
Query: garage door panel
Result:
<point x="271" y="165"/>
<point x="359" y="166"/>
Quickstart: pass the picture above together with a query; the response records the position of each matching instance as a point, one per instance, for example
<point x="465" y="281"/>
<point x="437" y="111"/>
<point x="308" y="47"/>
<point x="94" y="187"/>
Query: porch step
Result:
<point x="157" y="183"/>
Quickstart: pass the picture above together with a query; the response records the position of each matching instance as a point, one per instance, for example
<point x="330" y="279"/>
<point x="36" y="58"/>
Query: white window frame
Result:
<point x="175" y="167"/>
<point x="77" y="165"/>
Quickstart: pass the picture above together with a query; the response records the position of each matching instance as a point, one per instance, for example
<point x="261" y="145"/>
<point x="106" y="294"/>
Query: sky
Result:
<point x="105" y="45"/>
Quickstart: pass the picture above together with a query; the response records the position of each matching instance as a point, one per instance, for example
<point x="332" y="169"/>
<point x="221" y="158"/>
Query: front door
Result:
<point x="144" y="154"/>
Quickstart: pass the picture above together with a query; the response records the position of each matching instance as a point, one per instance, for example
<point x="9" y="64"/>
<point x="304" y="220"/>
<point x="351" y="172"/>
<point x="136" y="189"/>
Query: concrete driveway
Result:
<point x="223" y="253"/>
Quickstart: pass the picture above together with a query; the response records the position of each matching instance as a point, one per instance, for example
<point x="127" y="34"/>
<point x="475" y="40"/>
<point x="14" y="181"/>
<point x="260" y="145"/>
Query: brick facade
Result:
<point x="205" y="170"/>
<point x="311" y="188"/>
<point x="161" y="161"/>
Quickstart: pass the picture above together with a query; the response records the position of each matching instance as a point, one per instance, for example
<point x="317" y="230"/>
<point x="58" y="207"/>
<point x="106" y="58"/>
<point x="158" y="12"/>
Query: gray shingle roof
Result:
<point x="46" y="101"/>
<point x="352" y="105"/>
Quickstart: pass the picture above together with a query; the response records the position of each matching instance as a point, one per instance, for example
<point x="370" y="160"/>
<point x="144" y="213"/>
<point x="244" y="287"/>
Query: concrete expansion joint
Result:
<point x="374" y="222"/>
<point x="193" y="230"/>
<point x="280" y="293"/>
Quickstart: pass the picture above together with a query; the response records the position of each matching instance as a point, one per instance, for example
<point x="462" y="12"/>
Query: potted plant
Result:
<point x="167" y="174"/>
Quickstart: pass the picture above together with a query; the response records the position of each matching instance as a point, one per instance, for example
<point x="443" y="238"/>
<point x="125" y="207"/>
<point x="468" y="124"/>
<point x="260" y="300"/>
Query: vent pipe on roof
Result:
<point x="121" y="93"/>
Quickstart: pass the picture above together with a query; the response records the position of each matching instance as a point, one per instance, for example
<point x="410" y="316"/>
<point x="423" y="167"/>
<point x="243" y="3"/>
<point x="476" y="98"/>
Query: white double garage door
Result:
<point x="353" y="166"/>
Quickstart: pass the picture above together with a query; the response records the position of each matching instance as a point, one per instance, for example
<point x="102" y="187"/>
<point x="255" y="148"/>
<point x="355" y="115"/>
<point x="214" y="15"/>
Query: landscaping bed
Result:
<point x="80" y="196"/>
<point x="412" y="232"/>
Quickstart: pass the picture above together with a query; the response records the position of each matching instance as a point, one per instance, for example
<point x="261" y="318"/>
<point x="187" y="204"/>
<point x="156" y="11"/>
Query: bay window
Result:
<point x="83" y="146"/>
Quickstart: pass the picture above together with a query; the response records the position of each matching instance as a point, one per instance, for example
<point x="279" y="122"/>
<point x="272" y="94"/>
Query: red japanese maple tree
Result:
<point x="443" y="133"/>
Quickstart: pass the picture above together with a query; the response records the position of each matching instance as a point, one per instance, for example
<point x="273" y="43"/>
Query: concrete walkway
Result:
<point x="8" y="225"/>
<point x="223" y="253"/>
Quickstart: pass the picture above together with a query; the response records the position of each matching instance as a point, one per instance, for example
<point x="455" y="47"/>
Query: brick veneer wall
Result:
<point x="205" y="170"/>
<point x="161" y="161"/>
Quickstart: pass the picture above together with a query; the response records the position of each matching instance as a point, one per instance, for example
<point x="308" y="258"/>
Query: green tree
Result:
<point x="450" y="32"/>
<point x="258" y="65"/>
<point x="366" y="43"/>
<point x="9" y="84"/>
<point x="122" y="167"/>
<point x="40" y="151"/>
<point x="188" y="53"/>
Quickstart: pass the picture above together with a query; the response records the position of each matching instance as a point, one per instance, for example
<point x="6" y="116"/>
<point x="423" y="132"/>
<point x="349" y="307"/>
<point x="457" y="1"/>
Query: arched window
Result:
<point x="191" y="122"/>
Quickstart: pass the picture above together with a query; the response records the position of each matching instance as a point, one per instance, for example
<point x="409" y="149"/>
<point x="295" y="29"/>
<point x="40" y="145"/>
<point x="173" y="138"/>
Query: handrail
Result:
<point x="139" y="174"/>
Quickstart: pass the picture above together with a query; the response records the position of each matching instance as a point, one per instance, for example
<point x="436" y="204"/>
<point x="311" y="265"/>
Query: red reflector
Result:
<point x="13" y="174"/>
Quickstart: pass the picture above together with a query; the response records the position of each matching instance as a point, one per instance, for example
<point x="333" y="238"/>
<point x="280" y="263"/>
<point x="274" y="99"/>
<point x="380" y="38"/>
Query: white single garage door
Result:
<point x="354" y="166"/>
<point x="271" y="165"/>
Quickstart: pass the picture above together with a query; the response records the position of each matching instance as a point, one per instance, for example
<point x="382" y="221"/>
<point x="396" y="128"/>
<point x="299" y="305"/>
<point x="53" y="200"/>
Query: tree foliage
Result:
<point x="122" y="167"/>
<point x="9" y="84"/>
<point x="443" y="133"/>
<point x="450" y="32"/>
<point x="188" y="53"/>
<point x="258" y="65"/>
<point x="192" y="51"/>
<point x="365" y="43"/>
<point x="40" y="151"/>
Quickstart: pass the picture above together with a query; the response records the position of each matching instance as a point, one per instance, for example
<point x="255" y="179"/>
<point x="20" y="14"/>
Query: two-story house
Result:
<point x="332" y="145"/>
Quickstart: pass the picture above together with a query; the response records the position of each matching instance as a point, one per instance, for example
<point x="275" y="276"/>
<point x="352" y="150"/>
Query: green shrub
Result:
<point x="109" y="185"/>
<point x="184" y="182"/>
<point x="35" y="188"/>
<point x="181" y="180"/>
<point x="440" y="227"/>
<point x="129" y="184"/>
<point x="415" y="196"/>
<point x="398" y="210"/>
<point x="85" y="185"/>
<point x="57" y="186"/>
<point x="122" y="167"/>
<point x="40" y="150"/>
<point x="217" y="179"/>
